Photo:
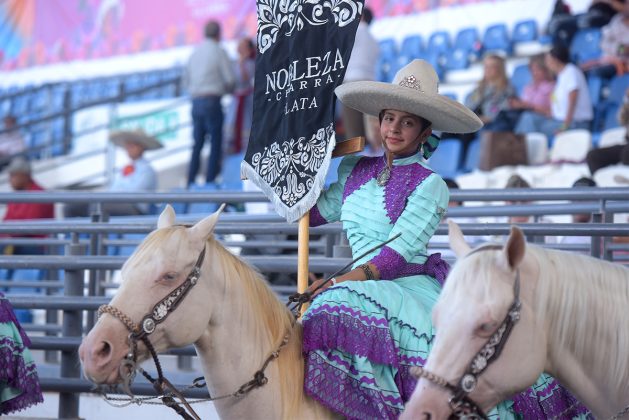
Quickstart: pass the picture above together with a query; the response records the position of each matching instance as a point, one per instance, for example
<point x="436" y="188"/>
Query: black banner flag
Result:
<point x="303" y="50"/>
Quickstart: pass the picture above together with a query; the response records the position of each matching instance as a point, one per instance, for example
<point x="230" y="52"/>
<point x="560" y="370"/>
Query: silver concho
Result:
<point x="468" y="383"/>
<point x="148" y="325"/>
<point x="383" y="176"/>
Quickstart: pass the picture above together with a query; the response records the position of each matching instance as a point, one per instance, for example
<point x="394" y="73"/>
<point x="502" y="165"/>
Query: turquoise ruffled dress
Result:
<point x="361" y="337"/>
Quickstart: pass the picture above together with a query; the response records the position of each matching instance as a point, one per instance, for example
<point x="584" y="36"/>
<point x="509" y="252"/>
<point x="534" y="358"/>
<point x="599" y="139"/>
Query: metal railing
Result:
<point x="85" y="267"/>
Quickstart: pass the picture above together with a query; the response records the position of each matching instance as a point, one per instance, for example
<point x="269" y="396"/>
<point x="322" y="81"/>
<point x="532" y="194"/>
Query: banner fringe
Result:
<point x="292" y="214"/>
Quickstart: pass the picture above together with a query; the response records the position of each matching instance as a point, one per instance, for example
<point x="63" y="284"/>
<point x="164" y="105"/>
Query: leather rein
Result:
<point x="141" y="332"/>
<point x="463" y="407"/>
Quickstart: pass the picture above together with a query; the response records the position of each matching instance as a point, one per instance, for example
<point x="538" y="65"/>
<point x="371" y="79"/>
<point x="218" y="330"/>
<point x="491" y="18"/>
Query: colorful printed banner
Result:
<point x="37" y="32"/>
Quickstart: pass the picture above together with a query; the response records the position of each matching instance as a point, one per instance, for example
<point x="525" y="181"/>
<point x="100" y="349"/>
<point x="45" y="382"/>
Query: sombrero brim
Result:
<point x="445" y="114"/>
<point x="120" y="137"/>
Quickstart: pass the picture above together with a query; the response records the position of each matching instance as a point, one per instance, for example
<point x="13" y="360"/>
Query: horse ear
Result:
<point x="515" y="247"/>
<point x="457" y="241"/>
<point x="167" y="218"/>
<point x="205" y="227"/>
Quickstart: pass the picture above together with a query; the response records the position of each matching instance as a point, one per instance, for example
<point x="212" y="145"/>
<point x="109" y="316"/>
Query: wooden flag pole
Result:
<point x="353" y="145"/>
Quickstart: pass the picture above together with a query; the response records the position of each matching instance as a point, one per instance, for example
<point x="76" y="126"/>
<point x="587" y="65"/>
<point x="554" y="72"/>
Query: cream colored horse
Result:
<point x="574" y="325"/>
<point x="231" y="316"/>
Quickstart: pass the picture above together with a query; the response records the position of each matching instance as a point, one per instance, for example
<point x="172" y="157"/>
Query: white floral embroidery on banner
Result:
<point x="290" y="167"/>
<point x="275" y="16"/>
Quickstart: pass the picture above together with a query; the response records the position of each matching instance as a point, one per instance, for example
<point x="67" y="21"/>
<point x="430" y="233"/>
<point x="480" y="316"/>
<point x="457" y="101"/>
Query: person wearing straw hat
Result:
<point x="367" y="327"/>
<point x="137" y="176"/>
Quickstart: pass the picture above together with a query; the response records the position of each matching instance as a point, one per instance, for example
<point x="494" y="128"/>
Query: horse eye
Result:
<point x="169" y="276"/>
<point x="487" y="328"/>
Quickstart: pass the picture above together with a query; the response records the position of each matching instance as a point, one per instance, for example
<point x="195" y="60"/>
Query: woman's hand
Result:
<point x="318" y="282"/>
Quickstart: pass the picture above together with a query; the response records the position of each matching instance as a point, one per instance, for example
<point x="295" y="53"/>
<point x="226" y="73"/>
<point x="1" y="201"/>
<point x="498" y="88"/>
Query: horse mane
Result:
<point x="275" y="318"/>
<point x="584" y="301"/>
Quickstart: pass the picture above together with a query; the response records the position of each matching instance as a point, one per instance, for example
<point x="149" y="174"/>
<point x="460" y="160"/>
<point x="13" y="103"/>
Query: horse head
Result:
<point x="477" y="297"/>
<point x="157" y="269"/>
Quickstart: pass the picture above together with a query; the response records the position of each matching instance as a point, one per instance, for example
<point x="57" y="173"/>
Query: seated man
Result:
<point x="137" y="176"/>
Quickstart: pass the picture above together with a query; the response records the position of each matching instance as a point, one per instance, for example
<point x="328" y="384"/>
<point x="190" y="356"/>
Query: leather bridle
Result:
<point x="461" y="404"/>
<point x="142" y="331"/>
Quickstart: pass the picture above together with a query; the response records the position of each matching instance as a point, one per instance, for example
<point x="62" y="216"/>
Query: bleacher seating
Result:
<point x="439" y="43"/>
<point x="524" y="31"/>
<point x="456" y="59"/>
<point x="536" y="148"/>
<point x="521" y="77"/>
<point x="446" y="162"/>
<point x="612" y="103"/>
<point x="472" y="156"/>
<point x="468" y="40"/>
<point x="585" y="45"/>
<point x="571" y="146"/>
<point x="496" y="39"/>
<point x="412" y="47"/>
<point x="612" y="137"/>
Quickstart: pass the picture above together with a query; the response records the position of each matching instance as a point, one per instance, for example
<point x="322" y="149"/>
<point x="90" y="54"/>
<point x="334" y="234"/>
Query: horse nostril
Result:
<point x="104" y="351"/>
<point x="426" y="416"/>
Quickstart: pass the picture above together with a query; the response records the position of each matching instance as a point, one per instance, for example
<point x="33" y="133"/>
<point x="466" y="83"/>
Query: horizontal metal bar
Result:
<point x="219" y="196"/>
<point x="276" y="264"/>
<point x="73" y="343"/>
<point x="76" y="385"/>
<point x="44" y="284"/>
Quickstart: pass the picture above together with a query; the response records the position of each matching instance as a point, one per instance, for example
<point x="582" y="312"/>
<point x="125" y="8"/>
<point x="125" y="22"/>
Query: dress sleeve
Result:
<point x="418" y="222"/>
<point x="328" y="207"/>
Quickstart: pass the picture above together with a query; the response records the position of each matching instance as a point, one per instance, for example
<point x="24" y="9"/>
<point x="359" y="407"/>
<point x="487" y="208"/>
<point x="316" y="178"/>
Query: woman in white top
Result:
<point x="571" y="106"/>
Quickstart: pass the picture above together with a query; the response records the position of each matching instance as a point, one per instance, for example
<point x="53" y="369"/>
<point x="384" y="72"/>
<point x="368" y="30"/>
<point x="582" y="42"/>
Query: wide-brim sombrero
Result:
<point x="119" y="138"/>
<point x="415" y="89"/>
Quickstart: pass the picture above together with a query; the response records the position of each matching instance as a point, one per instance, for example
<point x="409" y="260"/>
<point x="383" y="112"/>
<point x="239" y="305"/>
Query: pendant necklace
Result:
<point x="385" y="173"/>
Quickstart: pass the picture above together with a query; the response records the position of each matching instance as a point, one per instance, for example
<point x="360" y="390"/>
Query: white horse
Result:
<point x="574" y="325"/>
<point x="231" y="315"/>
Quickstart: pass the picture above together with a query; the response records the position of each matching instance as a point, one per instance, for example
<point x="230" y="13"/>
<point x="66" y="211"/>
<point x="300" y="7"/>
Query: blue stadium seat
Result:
<point x="496" y="39"/>
<point x="388" y="48"/>
<point x="231" y="172"/>
<point x="446" y="162"/>
<point x="472" y="156"/>
<point x="26" y="275"/>
<point x="585" y="45"/>
<point x="435" y="59"/>
<point x="438" y="43"/>
<point x="595" y="86"/>
<point x="203" y="208"/>
<point x="611" y="105"/>
<point x="524" y="31"/>
<point x="412" y="47"/>
<point x="521" y="77"/>
<point x="468" y="40"/>
<point x="456" y="59"/>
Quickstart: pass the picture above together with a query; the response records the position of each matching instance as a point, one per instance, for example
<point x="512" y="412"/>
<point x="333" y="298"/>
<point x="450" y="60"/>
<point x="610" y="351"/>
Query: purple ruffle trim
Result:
<point x="532" y="405"/>
<point x="347" y="330"/>
<point x="316" y="219"/>
<point x="16" y="374"/>
<point x="391" y="265"/>
<point x="343" y="394"/>
<point x="8" y="316"/>
<point x="403" y="181"/>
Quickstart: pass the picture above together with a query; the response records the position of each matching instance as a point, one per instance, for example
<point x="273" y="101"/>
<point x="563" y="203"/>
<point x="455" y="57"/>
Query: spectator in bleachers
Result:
<point x="536" y="95"/>
<point x="208" y="76"/>
<point x="21" y="180"/>
<point x="137" y="176"/>
<point x="361" y="66"/>
<point x="241" y="111"/>
<point x="580" y="218"/>
<point x="571" y="106"/>
<point x="492" y="94"/>
<point x="11" y="140"/>
<point x="606" y="9"/>
<point x="612" y="155"/>
<point x="614" y="46"/>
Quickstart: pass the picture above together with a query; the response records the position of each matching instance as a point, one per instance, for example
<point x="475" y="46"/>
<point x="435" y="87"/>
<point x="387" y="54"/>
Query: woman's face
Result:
<point x="491" y="68"/>
<point x="402" y="132"/>
<point x="537" y="72"/>
<point x="552" y="63"/>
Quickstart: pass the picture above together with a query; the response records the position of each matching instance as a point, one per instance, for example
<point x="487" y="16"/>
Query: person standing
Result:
<point x="361" y="66"/>
<point x="21" y="181"/>
<point x="209" y="75"/>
